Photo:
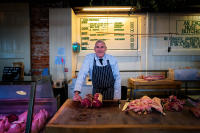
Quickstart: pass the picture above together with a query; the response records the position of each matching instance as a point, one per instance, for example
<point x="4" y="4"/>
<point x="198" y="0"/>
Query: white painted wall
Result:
<point x="74" y="39"/>
<point x="14" y="35"/>
<point x="152" y="49"/>
<point x="127" y="59"/>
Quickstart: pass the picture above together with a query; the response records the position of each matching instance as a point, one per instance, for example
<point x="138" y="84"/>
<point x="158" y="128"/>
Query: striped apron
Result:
<point x="103" y="80"/>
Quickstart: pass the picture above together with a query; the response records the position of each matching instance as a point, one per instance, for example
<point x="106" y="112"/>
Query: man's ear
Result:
<point x="94" y="49"/>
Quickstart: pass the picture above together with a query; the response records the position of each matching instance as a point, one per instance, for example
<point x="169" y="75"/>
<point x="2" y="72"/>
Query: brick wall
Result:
<point x="39" y="25"/>
<point x="39" y="28"/>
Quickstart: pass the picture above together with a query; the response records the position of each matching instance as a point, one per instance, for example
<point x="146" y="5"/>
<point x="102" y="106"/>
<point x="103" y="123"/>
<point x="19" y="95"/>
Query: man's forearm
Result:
<point x="117" y="88"/>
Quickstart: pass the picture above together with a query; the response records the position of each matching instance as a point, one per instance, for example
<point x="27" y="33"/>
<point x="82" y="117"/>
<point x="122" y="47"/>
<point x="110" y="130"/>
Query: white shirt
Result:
<point x="87" y="66"/>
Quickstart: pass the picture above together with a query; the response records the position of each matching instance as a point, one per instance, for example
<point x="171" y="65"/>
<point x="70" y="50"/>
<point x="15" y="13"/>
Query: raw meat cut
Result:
<point x="145" y="105"/>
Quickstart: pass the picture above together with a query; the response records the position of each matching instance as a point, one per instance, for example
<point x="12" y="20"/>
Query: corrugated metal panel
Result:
<point x="14" y="35"/>
<point x="179" y="57"/>
<point x="60" y="38"/>
<point x="154" y="49"/>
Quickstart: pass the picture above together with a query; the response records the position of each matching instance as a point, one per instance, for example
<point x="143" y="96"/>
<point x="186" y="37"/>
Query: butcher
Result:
<point x="104" y="72"/>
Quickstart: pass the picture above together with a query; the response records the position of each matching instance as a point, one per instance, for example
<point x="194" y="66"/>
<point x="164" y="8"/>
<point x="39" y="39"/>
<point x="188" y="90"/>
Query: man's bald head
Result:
<point x="100" y="41"/>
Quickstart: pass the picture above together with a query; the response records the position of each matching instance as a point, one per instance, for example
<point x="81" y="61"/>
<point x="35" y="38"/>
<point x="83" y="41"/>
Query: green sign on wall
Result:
<point x="188" y="34"/>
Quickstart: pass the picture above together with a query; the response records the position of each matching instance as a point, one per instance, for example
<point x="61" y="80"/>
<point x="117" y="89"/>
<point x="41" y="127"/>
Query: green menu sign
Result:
<point x="188" y="34"/>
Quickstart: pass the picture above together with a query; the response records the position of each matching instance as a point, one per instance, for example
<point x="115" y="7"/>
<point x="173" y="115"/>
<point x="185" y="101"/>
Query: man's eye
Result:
<point x="100" y="47"/>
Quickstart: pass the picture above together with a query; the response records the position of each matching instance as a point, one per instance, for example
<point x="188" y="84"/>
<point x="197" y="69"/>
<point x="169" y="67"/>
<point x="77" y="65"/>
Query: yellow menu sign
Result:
<point x="119" y="33"/>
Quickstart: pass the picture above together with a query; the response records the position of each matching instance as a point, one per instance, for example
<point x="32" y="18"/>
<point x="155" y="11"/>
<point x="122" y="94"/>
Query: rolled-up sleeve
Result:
<point x="83" y="72"/>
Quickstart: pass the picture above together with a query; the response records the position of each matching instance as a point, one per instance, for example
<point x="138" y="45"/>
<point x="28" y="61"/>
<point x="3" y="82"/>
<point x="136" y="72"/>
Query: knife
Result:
<point x="126" y="104"/>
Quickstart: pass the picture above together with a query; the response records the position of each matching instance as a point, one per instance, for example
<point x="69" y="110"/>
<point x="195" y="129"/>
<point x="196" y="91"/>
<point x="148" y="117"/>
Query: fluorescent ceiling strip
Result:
<point x="107" y="9"/>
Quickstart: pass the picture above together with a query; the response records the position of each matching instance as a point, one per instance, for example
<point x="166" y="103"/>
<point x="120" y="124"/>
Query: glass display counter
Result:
<point x="19" y="98"/>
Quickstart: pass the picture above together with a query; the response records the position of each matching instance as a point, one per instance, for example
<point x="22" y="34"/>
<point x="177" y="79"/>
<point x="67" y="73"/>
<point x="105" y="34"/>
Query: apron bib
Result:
<point x="103" y="80"/>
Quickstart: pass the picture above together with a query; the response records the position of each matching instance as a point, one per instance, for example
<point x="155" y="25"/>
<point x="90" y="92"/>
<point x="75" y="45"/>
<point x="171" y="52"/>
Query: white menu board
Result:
<point x="119" y="33"/>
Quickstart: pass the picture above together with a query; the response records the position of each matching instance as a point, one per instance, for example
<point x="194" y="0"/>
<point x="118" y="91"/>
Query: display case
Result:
<point x="15" y="100"/>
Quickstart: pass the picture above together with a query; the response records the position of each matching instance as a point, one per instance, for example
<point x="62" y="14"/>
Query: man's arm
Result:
<point x="82" y="75"/>
<point x="117" y="85"/>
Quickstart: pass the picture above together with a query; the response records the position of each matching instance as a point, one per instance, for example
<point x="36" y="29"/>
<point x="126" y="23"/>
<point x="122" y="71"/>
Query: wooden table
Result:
<point x="157" y="85"/>
<point x="186" y="85"/>
<point x="110" y="119"/>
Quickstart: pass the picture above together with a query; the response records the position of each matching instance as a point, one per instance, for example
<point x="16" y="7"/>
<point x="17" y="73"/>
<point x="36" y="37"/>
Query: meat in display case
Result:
<point x="14" y="106"/>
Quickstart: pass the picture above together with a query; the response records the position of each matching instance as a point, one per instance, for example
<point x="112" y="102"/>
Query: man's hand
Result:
<point x="77" y="97"/>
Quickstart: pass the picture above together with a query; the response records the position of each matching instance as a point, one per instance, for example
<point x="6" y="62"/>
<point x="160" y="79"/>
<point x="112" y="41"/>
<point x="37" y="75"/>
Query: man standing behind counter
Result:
<point x="104" y="72"/>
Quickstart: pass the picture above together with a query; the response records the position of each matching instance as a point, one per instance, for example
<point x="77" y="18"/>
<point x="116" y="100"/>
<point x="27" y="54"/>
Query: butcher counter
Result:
<point x="110" y="118"/>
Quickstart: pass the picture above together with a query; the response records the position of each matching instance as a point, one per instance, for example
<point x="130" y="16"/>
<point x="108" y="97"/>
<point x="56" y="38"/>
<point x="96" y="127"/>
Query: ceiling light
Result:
<point x="106" y="9"/>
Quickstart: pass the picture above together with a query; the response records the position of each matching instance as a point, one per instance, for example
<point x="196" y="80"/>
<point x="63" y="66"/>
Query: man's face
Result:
<point x="100" y="49"/>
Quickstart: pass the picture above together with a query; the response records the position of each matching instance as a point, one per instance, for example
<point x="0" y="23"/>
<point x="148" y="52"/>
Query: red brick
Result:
<point x="39" y="38"/>
<point x="36" y="73"/>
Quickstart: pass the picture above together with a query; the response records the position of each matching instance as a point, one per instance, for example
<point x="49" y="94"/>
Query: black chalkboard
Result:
<point x="11" y="73"/>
